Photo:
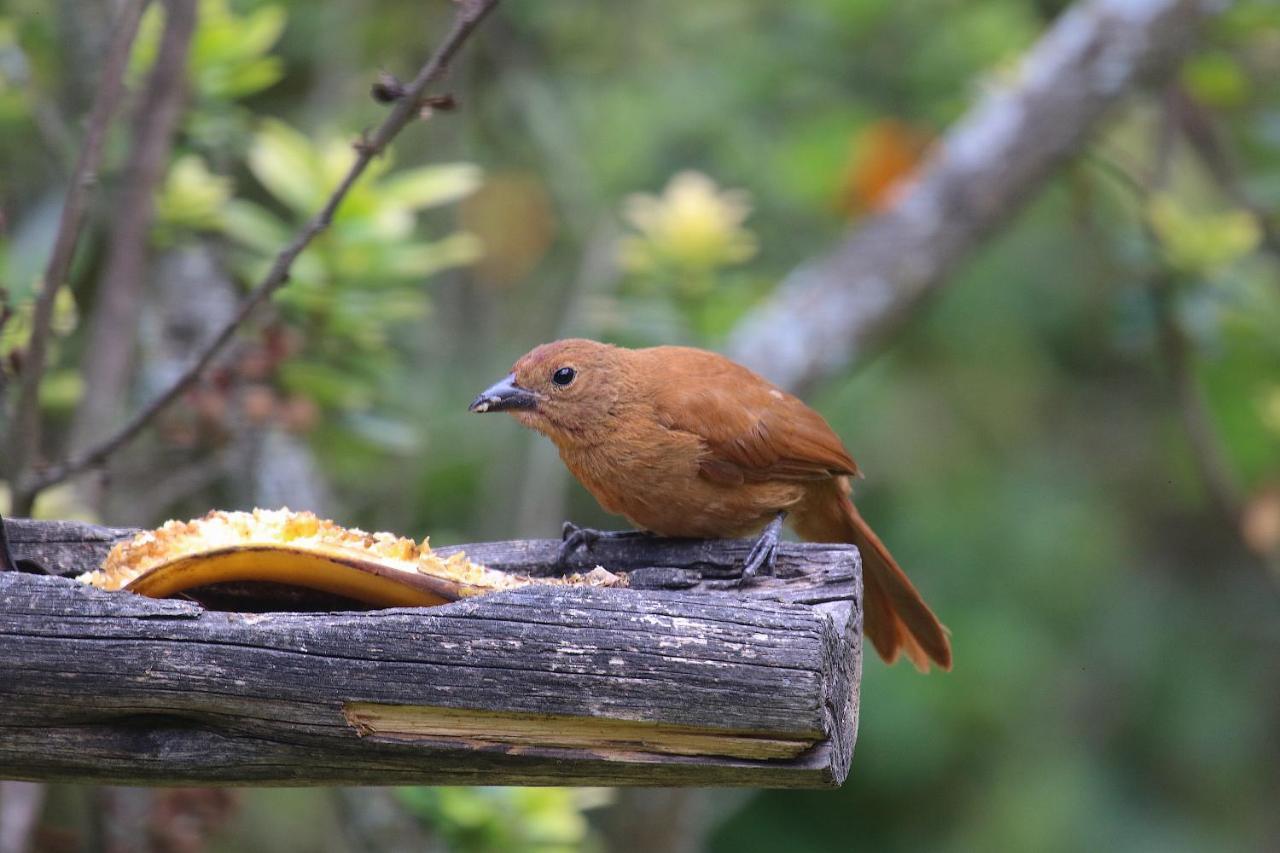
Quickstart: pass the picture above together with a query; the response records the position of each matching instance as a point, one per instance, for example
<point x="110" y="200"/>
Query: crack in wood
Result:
<point x="599" y="737"/>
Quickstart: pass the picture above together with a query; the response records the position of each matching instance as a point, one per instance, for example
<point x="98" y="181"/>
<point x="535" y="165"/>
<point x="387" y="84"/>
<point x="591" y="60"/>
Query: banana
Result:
<point x="299" y="549"/>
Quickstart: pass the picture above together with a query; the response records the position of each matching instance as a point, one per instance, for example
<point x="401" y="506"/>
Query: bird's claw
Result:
<point x="574" y="537"/>
<point x="764" y="553"/>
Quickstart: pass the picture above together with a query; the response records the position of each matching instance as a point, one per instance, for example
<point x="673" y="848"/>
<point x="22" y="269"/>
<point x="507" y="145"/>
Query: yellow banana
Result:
<point x="299" y="549"/>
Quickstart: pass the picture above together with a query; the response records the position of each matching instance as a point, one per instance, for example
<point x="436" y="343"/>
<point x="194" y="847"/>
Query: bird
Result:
<point x="684" y="442"/>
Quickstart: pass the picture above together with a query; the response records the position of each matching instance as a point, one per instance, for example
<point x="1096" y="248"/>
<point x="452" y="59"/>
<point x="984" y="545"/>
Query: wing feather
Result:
<point x="752" y="430"/>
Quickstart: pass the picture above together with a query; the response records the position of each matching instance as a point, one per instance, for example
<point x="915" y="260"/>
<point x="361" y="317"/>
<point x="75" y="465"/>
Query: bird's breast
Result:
<point x="655" y="483"/>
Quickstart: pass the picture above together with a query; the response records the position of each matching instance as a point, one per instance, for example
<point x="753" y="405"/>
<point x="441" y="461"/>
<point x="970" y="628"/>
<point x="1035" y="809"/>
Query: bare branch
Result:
<point x="841" y="306"/>
<point x="468" y="16"/>
<point x="26" y="434"/>
<point x="113" y="327"/>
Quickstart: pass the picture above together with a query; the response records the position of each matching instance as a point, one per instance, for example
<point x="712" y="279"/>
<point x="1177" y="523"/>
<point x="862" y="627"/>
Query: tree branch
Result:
<point x="113" y="326"/>
<point x="469" y="15"/>
<point x="26" y="439"/>
<point x="843" y="305"/>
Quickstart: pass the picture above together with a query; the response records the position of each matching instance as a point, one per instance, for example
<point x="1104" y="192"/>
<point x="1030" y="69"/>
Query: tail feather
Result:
<point x="886" y="630"/>
<point x="896" y="619"/>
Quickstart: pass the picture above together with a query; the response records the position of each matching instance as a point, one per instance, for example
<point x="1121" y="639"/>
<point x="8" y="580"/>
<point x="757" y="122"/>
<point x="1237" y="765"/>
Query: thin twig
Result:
<point x="1177" y="351"/>
<point x="1208" y="453"/>
<point x="468" y="16"/>
<point x="26" y="433"/>
<point x="1206" y="445"/>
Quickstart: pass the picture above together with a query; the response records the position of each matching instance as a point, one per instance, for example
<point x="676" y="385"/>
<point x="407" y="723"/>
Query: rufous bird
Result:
<point x="686" y="443"/>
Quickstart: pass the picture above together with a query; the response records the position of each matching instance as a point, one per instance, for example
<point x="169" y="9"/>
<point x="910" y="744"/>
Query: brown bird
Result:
<point x="684" y="442"/>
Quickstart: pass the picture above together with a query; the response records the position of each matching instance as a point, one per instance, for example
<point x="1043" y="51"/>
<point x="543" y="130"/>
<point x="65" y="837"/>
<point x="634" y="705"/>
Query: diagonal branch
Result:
<point x="843" y="305"/>
<point x="468" y="16"/>
<point x="26" y="434"/>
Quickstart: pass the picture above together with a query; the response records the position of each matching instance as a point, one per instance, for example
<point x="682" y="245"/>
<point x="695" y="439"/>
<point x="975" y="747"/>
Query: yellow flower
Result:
<point x="693" y="227"/>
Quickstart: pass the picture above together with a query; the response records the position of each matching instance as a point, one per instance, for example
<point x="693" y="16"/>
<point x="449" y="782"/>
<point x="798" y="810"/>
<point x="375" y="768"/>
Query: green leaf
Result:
<point x="430" y="186"/>
<point x="192" y="196"/>
<point x="253" y="225"/>
<point x="61" y="390"/>
<point x="284" y="162"/>
<point x="261" y="29"/>
<point x="423" y="260"/>
<point x="249" y="78"/>
<point x="325" y="384"/>
<point x="1202" y="242"/>
<point x="1217" y="79"/>
<point x="145" y="44"/>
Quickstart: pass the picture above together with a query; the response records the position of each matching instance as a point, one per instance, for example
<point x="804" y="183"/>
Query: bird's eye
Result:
<point x="564" y="376"/>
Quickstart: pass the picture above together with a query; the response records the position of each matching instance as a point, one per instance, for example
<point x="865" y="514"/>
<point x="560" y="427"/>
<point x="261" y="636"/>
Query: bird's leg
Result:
<point x="576" y="537"/>
<point x="764" y="554"/>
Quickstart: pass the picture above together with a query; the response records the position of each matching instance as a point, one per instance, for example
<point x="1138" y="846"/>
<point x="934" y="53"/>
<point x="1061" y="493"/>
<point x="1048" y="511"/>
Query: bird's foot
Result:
<point x="764" y="554"/>
<point x="574" y="537"/>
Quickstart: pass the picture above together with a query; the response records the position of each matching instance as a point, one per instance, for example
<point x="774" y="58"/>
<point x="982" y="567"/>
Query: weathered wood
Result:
<point x="682" y="680"/>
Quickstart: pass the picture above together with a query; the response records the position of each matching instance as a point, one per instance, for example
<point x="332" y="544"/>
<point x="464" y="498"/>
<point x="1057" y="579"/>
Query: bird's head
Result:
<point x="568" y="390"/>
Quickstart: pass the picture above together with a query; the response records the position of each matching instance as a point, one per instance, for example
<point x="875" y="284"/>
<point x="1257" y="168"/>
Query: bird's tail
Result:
<point x="895" y="616"/>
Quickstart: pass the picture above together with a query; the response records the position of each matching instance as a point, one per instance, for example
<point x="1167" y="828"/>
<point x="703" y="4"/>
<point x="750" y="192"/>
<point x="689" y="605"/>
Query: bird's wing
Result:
<point x="751" y="429"/>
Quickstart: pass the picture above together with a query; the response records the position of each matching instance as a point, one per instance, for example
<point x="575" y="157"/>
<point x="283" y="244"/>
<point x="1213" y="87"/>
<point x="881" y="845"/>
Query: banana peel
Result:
<point x="301" y="550"/>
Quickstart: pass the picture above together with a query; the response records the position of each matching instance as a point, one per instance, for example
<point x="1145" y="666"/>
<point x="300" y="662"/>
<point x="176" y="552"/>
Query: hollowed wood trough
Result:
<point x="682" y="679"/>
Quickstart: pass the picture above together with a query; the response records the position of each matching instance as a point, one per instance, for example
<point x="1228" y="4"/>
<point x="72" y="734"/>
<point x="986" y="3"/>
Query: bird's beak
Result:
<point x="504" y="396"/>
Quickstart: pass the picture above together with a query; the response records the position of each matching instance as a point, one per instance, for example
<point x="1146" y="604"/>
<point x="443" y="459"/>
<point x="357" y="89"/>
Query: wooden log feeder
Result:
<point x="684" y="678"/>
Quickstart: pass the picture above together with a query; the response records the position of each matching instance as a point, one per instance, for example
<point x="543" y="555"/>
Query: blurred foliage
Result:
<point x="230" y="60"/>
<point x="1116" y="681"/>
<point x="1202" y="243"/>
<point x="230" y="54"/>
<point x="504" y="820"/>
<point x="364" y="276"/>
